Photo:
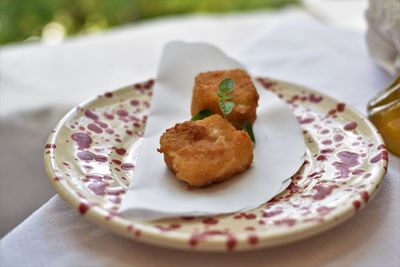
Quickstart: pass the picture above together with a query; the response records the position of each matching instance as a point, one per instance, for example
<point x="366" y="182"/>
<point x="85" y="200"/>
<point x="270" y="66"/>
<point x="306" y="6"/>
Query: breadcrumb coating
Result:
<point x="244" y="95"/>
<point x="206" y="151"/>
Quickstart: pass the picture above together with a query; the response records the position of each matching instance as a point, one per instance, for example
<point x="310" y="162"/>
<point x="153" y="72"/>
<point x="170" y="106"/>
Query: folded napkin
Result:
<point x="383" y="36"/>
<point x="278" y="154"/>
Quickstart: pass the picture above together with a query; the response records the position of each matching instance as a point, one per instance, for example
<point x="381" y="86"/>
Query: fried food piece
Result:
<point x="206" y="151"/>
<point x="244" y="95"/>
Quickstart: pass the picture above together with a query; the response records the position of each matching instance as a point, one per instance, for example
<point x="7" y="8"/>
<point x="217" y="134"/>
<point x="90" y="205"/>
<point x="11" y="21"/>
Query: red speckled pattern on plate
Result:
<point x="90" y="159"/>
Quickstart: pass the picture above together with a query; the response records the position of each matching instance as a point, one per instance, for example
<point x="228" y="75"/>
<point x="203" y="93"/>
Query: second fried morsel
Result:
<point x="244" y="95"/>
<point x="206" y="151"/>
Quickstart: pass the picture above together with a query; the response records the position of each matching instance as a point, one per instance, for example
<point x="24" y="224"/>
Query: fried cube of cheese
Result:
<point x="206" y="151"/>
<point x="244" y="95"/>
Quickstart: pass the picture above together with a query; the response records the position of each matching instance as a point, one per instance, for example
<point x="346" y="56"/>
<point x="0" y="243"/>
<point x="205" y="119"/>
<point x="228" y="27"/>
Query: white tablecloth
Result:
<point x="45" y="81"/>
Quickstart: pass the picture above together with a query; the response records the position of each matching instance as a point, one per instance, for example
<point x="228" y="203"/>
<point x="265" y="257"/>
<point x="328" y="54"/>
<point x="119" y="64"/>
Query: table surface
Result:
<point x="40" y="83"/>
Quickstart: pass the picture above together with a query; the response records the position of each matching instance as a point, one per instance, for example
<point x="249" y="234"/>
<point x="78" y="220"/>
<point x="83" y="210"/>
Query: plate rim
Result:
<point x="176" y="239"/>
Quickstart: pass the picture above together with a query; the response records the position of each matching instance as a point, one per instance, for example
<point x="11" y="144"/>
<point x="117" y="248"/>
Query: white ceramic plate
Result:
<point x="90" y="158"/>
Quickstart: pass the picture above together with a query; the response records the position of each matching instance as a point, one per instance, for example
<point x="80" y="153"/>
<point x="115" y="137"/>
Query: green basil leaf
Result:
<point x="226" y="85"/>
<point x="248" y="128"/>
<point x="201" y="115"/>
<point x="227" y="107"/>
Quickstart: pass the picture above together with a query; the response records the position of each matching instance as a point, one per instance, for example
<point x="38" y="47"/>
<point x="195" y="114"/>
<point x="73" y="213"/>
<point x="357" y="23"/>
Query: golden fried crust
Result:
<point x="206" y="151"/>
<point x="244" y="95"/>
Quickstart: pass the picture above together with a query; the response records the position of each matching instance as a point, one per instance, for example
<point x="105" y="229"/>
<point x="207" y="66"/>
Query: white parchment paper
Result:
<point x="156" y="193"/>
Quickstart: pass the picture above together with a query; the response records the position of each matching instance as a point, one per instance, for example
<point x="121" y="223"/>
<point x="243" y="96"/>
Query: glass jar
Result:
<point x="384" y="113"/>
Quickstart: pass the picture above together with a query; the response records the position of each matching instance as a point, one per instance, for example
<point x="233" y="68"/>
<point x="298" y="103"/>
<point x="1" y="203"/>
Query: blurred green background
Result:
<point x="32" y="20"/>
